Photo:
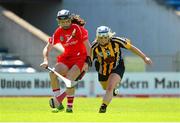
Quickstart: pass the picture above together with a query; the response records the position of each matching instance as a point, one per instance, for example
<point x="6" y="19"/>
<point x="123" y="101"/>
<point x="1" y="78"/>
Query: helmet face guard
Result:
<point x="64" y="18"/>
<point x="103" y="41"/>
<point x="65" y="24"/>
<point x="103" y="35"/>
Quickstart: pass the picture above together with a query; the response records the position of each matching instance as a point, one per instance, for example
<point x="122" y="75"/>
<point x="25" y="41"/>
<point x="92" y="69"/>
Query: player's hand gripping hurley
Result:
<point x="68" y="83"/>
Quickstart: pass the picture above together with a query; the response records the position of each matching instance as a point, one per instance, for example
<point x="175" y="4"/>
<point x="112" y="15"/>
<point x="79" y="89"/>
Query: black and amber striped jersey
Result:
<point x="110" y="55"/>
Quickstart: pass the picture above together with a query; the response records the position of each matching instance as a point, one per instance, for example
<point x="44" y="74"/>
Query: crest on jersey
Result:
<point x="61" y="38"/>
<point x="108" y="53"/>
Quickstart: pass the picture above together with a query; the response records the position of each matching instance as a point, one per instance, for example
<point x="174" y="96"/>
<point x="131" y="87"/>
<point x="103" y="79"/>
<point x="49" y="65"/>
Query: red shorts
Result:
<point x="71" y="61"/>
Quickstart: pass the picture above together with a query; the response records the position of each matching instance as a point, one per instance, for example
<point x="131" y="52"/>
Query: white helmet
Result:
<point x="104" y="31"/>
<point x="63" y="14"/>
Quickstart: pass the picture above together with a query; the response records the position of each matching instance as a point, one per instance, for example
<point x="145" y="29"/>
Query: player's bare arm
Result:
<point x="46" y="51"/>
<point x="88" y="47"/>
<point x="137" y="51"/>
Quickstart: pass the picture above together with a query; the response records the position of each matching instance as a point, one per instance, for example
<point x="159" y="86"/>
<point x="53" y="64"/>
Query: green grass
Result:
<point x="36" y="109"/>
<point x="134" y="64"/>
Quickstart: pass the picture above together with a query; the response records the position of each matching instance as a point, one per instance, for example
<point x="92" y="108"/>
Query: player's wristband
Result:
<point x="88" y="61"/>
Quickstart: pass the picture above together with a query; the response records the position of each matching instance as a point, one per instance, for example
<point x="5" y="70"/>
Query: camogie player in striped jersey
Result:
<point x="106" y="52"/>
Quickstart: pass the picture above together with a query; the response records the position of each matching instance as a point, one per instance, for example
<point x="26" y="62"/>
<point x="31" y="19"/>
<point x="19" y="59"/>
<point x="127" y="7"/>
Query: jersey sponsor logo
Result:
<point x="71" y="43"/>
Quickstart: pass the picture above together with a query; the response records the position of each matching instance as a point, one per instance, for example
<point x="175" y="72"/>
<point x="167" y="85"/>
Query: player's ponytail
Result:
<point x="76" y="19"/>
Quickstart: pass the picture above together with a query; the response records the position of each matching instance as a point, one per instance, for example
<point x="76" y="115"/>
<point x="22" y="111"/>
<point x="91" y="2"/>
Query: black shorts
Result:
<point x="120" y="69"/>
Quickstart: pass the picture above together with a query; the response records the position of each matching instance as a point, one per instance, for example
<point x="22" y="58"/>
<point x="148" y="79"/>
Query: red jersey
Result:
<point x="72" y="40"/>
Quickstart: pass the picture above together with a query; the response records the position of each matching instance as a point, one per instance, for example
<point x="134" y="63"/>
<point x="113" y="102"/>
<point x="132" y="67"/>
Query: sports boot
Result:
<point x="69" y="110"/>
<point x="58" y="109"/>
<point x="102" y="110"/>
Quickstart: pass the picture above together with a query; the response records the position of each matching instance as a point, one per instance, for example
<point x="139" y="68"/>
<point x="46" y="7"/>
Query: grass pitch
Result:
<point x="36" y="109"/>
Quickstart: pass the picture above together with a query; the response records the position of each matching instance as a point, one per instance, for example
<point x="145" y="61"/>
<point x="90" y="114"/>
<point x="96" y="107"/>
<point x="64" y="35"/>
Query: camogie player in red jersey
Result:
<point x="72" y="37"/>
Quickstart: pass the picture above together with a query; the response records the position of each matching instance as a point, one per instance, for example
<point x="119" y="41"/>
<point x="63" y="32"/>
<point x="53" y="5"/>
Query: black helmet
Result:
<point x="63" y="14"/>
